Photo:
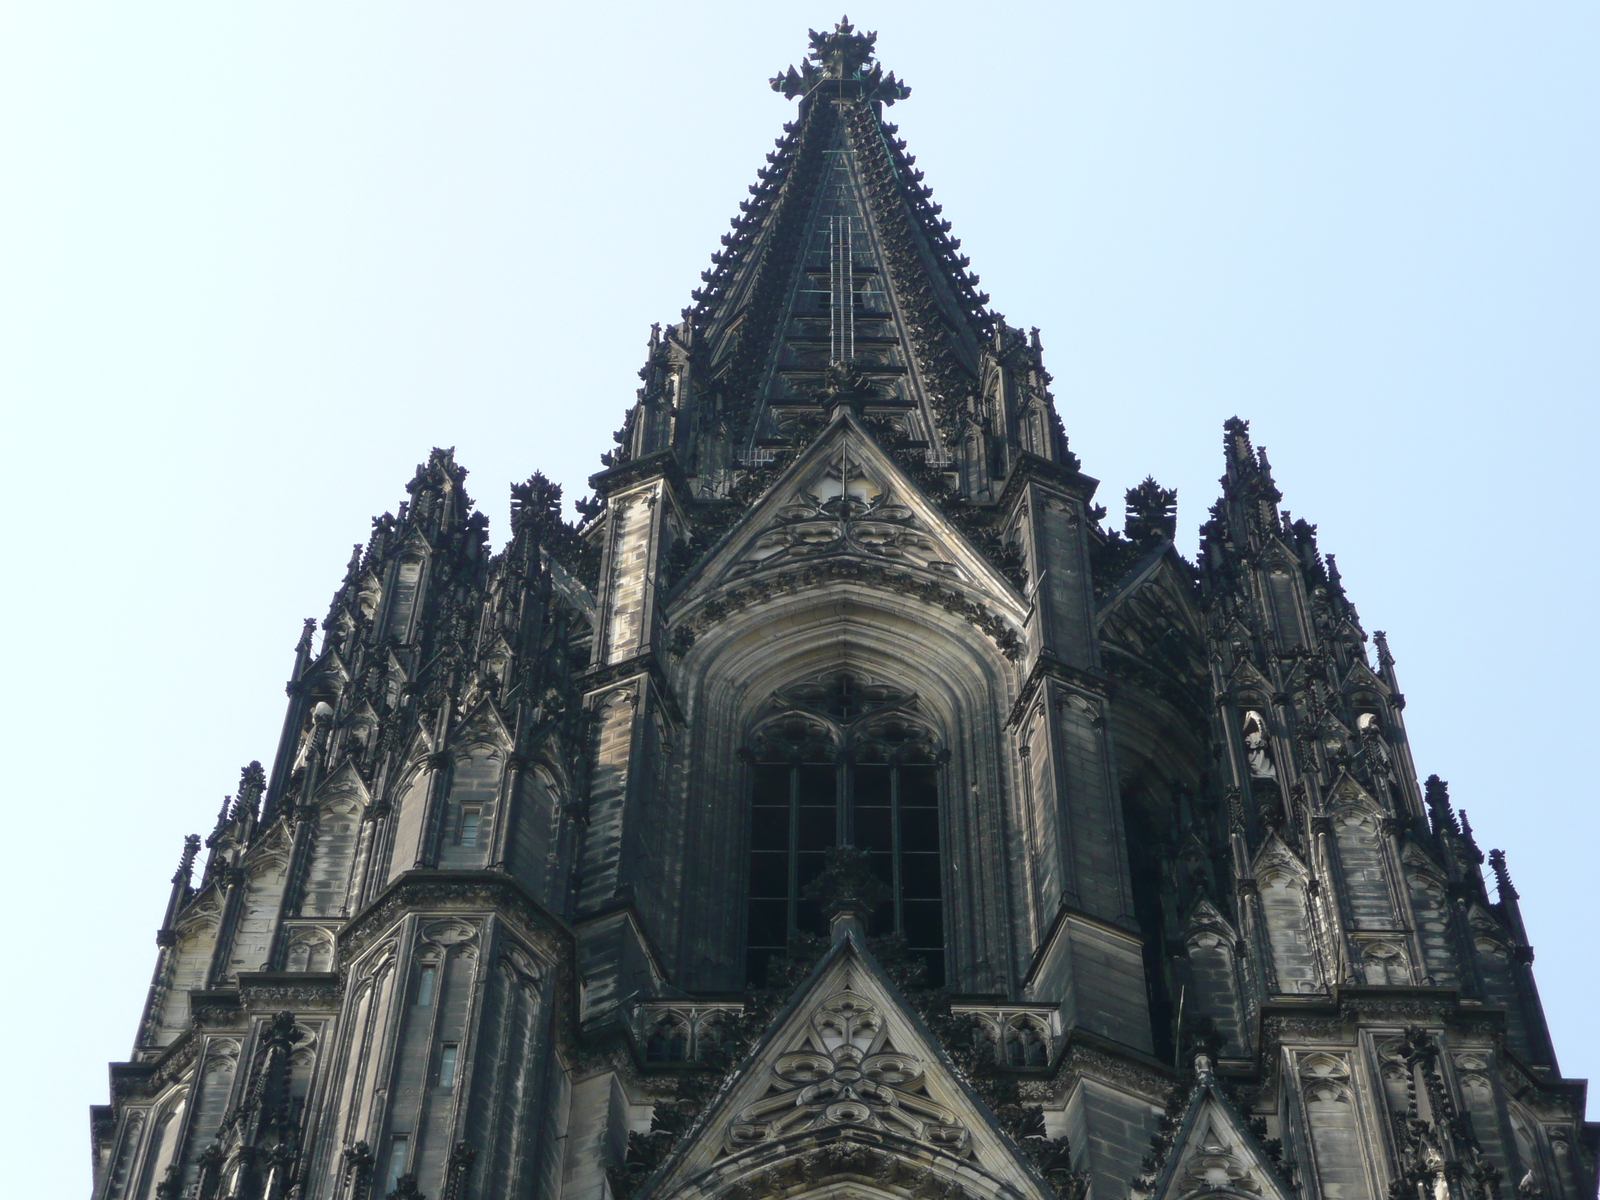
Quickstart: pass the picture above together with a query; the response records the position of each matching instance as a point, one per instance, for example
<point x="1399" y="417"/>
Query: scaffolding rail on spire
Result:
<point x="841" y="290"/>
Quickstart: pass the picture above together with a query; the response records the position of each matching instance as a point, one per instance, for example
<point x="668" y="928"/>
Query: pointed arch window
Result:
<point x="845" y="762"/>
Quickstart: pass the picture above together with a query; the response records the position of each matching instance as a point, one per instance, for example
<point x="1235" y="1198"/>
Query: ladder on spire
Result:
<point x="842" y="291"/>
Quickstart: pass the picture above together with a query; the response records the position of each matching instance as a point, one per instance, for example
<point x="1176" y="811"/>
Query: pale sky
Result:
<point x="256" y="259"/>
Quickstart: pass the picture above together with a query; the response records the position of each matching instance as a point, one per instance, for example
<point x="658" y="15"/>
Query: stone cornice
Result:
<point x="1095" y="684"/>
<point x="662" y="464"/>
<point x="1087" y="1055"/>
<point x="601" y="678"/>
<point x="435" y="890"/>
<point x="215" y="1009"/>
<point x="141" y="1080"/>
<point x="1031" y="468"/>
<point x="261" y="991"/>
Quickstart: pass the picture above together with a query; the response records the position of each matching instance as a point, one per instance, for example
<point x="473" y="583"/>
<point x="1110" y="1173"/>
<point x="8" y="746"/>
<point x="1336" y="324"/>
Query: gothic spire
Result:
<point x="839" y="258"/>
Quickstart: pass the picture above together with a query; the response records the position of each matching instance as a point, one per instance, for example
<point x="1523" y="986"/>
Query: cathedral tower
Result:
<point x="841" y="808"/>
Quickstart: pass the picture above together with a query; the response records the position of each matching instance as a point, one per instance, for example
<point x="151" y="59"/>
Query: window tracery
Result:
<point x="844" y="760"/>
<point x="677" y="1032"/>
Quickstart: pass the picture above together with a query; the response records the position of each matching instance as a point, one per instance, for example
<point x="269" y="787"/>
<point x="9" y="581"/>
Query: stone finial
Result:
<point x="846" y="56"/>
<point x="847" y="891"/>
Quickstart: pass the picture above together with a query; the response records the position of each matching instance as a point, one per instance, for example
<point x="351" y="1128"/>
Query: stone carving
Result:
<point x="1257" y="747"/>
<point x="1019" y="1035"/>
<point x="843" y="570"/>
<point x="449" y="933"/>
<point x="673" y="1033"/>
<point x="847" y="1074"/>
<point x="1213" y="1166"/>
<point x="845" y="511"/>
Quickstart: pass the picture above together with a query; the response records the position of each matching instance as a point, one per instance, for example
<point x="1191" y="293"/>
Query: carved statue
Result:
<point x="1257" y="748"/>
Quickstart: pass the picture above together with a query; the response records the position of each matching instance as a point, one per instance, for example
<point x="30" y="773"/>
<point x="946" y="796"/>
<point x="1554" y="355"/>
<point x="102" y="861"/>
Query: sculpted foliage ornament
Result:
<point x="848" y="1074"/>
<point x="844" y="516"/>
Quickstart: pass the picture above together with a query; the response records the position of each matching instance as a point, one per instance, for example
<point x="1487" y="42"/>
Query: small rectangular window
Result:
<point x="425" y="986"/>
<point x="447" y="1067"/>
<point x="397" y="1161"/>
<point x="470" y="819"/>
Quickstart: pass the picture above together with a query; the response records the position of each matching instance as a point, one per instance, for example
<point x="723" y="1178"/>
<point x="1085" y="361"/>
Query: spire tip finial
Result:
<point x="844" y="56"/>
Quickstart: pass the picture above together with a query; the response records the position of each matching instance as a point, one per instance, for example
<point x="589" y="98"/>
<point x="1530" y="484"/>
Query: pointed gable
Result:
<point x="1346" y="791"/>
<point x="1247" y="678"/>
<point x="1361" y="678"/>
<point x="845" y="497"/>
<point x="847" y="1081"/>
<point x="1282" y="880"/>
<point x="1213" y="1151"/>
<point x="327" y="673"/>
<point x="1276" y="855"/>
<point x="483" y="726"/>
<point x="1162" y="574"/>
<point x="345" y="783"/>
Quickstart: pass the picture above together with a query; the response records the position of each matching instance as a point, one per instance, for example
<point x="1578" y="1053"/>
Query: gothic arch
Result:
<point x="1026" y="1041"/>
<point x="538" y="848"/>
<point x="667" y="1038"/>
<point x="213" y="1090"/>
<point x="310" y="948"/>
<point x="341" y="804"/>
<point x="1281" y="880"/>
<point x="472" y="809"/>
<point x="407" y="583"/>
<point x="1430" y="914"/>
<point x="166" y="1126"/>
<point x="841" y="758"/>
<point x="1330" y="1105"/>
<point x="188" y="963"/>
<point x="964" y="689"/>
<point x="1384" y="963"/>
<point x="1363" y="859"/>
<point x="1282" y="595"/>
<point x="1214" y="974"/>
<point x="266" y="876"/>
<point x="410" y="818"/>
<point x="1529" y="1135"/>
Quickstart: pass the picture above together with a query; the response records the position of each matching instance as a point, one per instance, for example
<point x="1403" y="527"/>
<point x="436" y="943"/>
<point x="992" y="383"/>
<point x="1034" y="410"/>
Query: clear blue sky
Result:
<point x="255" y="259"/>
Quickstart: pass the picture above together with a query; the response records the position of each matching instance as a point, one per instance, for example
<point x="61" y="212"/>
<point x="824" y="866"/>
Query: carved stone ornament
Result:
<point x="847" y="1072"/>
<point x="1215" y="1166"/>
<point x="848" y="1082"/>
<point x="845" y="511"/>
<point x="1211" y="1150"/>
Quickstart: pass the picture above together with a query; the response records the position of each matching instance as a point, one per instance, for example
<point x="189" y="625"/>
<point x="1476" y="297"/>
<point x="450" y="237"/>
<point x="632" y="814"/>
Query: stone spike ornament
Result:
<point x="841" y="807"/>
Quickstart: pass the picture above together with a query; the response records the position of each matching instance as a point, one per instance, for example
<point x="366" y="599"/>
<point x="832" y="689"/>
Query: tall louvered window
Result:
<point x="849" y="764"/>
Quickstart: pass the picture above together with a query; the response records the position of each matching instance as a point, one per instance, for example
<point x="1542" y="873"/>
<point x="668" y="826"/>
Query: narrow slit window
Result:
<point x="447" y="1066"/>
<point x="425" y="982"/>
<point x="471" y="818"/>
<point x="398" y="1150"/>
